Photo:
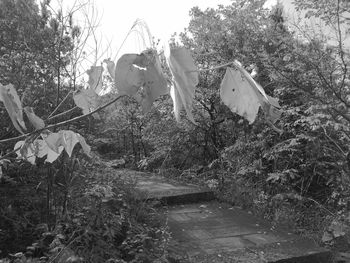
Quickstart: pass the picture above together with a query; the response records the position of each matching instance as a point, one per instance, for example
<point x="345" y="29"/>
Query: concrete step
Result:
<point x="204" y="230"/>
<point x="201" y="231"/>
<point x="169" y="192"/>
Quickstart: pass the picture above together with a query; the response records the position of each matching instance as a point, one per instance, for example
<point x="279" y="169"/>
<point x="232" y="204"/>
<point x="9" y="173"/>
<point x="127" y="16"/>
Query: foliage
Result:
<point x="92" y="216"/>
<point x="300" y="176"/>
<point x="73" y="216"/>
<point x="35" y="47"/>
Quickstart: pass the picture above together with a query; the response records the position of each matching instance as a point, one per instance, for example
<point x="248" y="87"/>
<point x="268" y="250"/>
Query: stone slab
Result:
<point x="170" y="192"/>
<point x="216" y="228"/>
<point x="202" y="228"/>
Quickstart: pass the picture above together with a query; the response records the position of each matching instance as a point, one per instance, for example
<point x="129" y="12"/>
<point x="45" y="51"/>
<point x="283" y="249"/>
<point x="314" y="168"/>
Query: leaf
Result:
<point x="36" y="121"/>
<point x="86" y="99"/>
<point x="26" y="151"/>
<point x="84" y="145"/>
<point x="9" y="97"/>
<point x="52" y="155"/>
<point x="337" y="228"/>
<point x="53" y="140"/>
<point x="67" y="140"/>
<point x="41" y="148"/>
<point x="70" y="139"/>
<point x="274" y="177"/>
<point x="327" y="237"/>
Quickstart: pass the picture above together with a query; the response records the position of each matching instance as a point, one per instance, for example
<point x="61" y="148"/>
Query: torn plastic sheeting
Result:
<point x="244" y="96"/>
<point x="185" y="76"/>
<point x="155" y="83"/>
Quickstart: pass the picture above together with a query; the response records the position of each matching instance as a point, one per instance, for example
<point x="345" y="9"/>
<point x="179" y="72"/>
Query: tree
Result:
<point x="33" y="50"/>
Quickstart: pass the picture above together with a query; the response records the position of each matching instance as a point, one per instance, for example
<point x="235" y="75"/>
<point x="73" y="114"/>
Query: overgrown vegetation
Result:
<point x="299" y="178"/>
<point x="78" y="208"/>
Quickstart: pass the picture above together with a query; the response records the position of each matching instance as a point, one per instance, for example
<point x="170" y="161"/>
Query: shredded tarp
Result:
<point x="95" y="78"/>
<point x="185" y="79"/>
<point x="237" y="94"/>
<point x="141" y="76"/>
<point x="155" y="83"/>
<point x="244" y="96"/>
<point x="128" y="77"/>
<point x="13" y="106"/>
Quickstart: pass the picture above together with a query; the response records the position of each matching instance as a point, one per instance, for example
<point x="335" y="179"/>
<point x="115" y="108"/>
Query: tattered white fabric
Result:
<point x="185" y="75"/>
<point x="95" y="78"/>
<point x="128" y="77"/>
<point x="110" y="67"/>
<point x="272" y="109"/>
<point x="244" y="96"/>
<point x="238" y="95"/>
<point x="12" y="103"/>
<point x="36" y="121"/>
<point x="141" y="77"/>
<point x="86" y="99"/>
<point x="155" y="83"/>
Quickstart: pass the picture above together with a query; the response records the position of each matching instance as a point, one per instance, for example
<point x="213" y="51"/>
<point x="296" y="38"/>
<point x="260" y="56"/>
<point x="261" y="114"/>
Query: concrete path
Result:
<point x="204" y="230"/>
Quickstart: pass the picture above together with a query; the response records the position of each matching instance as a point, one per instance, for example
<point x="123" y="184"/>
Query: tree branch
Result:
<point x="61" y="123"/>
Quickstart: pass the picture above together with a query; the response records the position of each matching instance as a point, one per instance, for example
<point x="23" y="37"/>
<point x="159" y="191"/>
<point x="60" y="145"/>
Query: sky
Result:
<point x="115" y="18"/>
<point x="163" y="18"/>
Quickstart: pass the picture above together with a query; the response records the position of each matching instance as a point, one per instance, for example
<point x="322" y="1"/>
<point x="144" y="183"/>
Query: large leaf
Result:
<point x="51" y="146"/>
<point x="25" y="151"/>
<point x="9" y="97"/>
<point x="52" y="156"/>
<point x="41" y="148"/>
<point x="53" y="140"/>
<point x="36" y="121"/>
<point x="86" y="148"/>
<point x="67" y="140"/>
<point x="86" y="99"/>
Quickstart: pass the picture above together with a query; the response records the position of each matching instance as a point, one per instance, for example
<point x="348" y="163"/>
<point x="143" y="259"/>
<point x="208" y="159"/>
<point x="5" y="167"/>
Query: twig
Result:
<point x="10" y="153"/>
<point x="126" y="37"/>
<point x="62" y="114"/>
<point x="325" y="133"/>
<point x="65" y="247"/>
<point x="59" y="105"/>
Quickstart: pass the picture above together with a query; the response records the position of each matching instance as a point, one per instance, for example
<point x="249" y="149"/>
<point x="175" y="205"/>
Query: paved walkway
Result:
<point x="204" y="230"/>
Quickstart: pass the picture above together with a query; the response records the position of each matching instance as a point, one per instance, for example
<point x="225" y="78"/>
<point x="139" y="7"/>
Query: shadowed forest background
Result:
<point x="299" y="178"/>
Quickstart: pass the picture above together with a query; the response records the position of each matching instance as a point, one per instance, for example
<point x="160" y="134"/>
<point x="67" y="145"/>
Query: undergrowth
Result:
<point x="85" y="213"/>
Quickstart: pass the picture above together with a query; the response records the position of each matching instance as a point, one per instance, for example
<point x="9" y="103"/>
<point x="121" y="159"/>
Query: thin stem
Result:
<point x="59" y="105"/>
<point x="62" y="114"/>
